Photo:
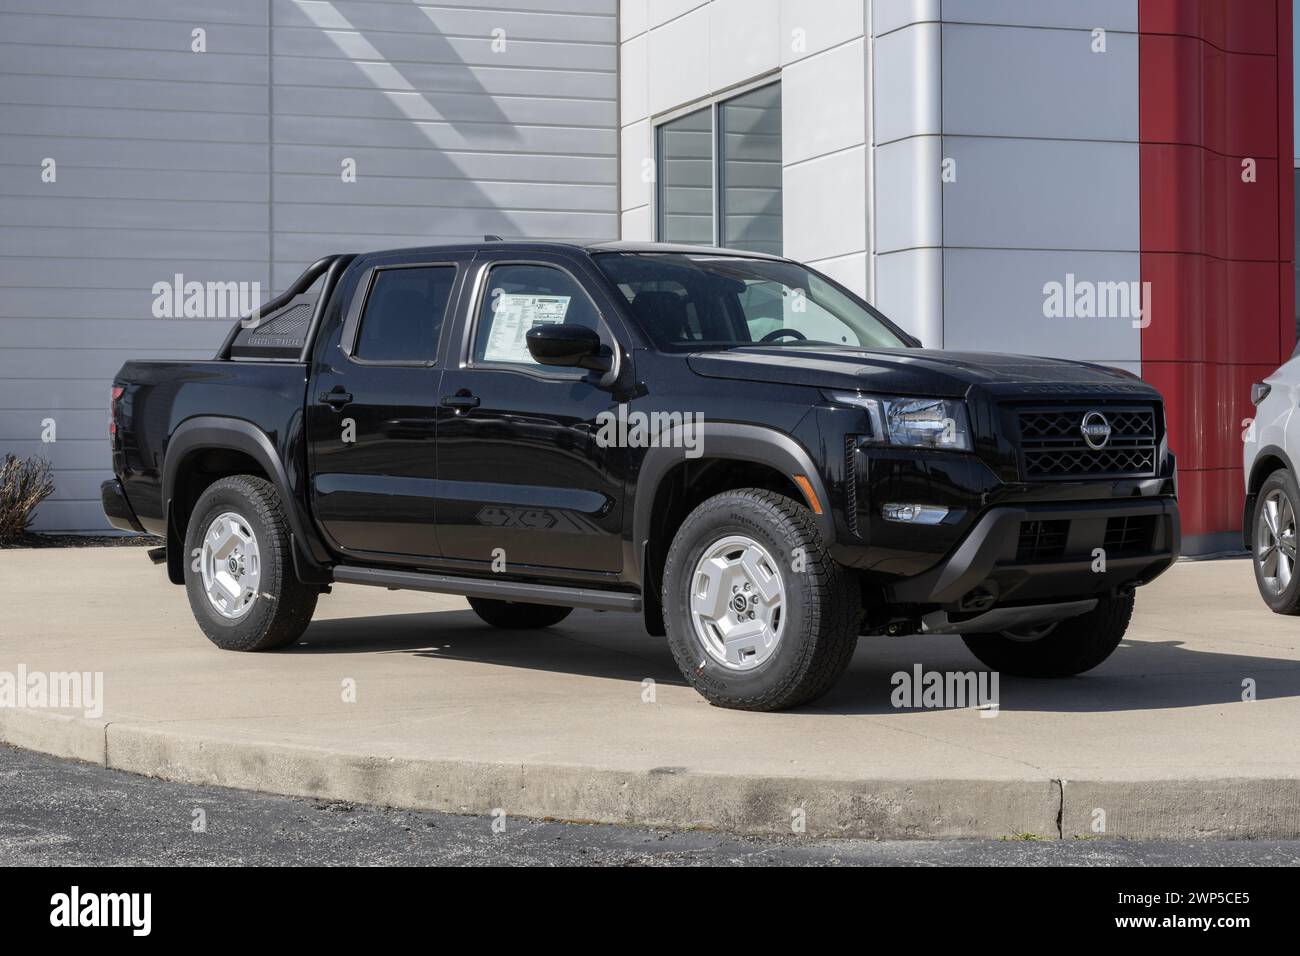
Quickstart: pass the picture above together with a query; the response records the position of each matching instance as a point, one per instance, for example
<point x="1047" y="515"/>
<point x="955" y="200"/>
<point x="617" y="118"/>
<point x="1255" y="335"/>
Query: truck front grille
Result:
<point x="1053" y="445"/>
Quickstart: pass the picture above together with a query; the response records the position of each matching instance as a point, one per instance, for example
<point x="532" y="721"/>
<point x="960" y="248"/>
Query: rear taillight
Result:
<point x="112" y="409"/>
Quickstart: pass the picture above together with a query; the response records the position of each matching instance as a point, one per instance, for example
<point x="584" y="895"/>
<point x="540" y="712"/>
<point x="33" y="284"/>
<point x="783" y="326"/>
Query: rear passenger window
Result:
<point x="522" y="296"/>
<point x="403" y="315"/>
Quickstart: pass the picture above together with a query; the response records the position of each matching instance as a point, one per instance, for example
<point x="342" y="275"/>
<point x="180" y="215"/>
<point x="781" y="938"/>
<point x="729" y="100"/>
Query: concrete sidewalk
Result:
<point x="590" y="720"/>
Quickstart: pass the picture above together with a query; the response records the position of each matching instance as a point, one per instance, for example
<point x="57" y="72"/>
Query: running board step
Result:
<point x="496" y="590"/>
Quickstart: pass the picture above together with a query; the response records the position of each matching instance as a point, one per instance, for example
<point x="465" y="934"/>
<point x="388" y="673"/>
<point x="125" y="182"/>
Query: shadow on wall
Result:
<point x="471" y="136"/>
<point x="426" y="110"/>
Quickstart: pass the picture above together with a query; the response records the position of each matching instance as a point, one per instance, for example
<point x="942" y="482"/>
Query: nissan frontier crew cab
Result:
<point x="728" y="444"/>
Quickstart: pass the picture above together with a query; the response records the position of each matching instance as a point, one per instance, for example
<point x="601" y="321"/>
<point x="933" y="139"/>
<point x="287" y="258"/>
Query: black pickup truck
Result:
<point x="729" y="444"/>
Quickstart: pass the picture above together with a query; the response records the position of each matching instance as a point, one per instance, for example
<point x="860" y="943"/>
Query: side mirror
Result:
<point x="571" y="346"/>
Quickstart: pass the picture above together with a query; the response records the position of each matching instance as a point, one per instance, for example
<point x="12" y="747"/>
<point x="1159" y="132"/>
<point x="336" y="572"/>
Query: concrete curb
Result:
<point x="678" y="798"/>
<point x="1219" y="808"/>
<point x="61" y="735"/>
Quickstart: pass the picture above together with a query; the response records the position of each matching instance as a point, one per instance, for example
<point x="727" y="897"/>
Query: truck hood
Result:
<point x="905" y="371"/>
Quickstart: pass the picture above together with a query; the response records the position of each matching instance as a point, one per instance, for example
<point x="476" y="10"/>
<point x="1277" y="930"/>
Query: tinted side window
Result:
<point x="404" y="314"/>
<point x="519" y="297"/>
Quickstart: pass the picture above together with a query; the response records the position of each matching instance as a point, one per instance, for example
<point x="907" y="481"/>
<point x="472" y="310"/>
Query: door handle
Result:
<point x="461" y="402"/>
<point x="335" y="398"/>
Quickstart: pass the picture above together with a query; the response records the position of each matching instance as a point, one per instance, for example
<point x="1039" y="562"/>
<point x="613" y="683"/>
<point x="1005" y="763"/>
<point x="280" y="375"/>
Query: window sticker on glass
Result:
<point x="513" y="314"/>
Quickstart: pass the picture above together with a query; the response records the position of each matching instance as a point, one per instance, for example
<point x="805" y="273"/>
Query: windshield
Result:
<point x="689" y="302"/>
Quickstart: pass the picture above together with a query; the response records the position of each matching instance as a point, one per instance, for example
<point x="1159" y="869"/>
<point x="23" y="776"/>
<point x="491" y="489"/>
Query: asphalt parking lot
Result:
<point x="406" y="700"/>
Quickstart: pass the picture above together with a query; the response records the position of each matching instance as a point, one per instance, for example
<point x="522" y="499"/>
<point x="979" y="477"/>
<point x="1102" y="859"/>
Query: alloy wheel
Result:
<point x="1275" y="541"/>
<point x="231" y="565"/>
<point x="737" y="602"/>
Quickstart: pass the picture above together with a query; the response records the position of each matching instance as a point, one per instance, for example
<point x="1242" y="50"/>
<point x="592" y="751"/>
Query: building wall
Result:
<point x="906" y="155"/>
<point x="226" y="165"/>
<point x="1006" y="158"/>
<point x="682" y="53"/>
<point x="1217" y="245"/>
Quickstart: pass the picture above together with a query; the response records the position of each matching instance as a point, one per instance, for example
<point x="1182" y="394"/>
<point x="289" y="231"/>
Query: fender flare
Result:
<point x="236" y="434"/>
<point x="759" y="444"/>
<point x="1248" y="506"/>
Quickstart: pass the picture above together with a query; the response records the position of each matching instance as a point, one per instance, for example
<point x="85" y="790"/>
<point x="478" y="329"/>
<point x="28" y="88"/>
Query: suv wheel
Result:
<point x="1062" y="649"/>
<point x="239" y="571"/>
<point x="1274" y="539"/>
<point x="758" y="615"/>
<point x="518" y="616"/>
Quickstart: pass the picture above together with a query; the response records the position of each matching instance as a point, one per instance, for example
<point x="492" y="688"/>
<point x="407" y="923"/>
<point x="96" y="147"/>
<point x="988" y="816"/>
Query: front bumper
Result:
<point x="1097" y="547"/>
<point x="116" y="508"/>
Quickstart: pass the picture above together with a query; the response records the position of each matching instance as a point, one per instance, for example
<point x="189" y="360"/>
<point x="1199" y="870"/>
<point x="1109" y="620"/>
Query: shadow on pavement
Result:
<point x="583" y="644"/>
<point x="1141" y="675"/>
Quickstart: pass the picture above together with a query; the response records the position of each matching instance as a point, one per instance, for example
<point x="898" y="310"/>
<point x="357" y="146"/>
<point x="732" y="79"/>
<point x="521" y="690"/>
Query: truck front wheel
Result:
<point x="239" y="568"/>
<point x="759" y="617"/>
<point x="1062" y="649"/>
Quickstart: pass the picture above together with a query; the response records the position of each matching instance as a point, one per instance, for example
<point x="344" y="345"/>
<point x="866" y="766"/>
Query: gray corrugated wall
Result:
<point x="226" y="166"/>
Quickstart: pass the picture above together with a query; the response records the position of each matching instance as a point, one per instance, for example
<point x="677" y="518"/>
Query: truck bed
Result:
<point x="158" y="397"/>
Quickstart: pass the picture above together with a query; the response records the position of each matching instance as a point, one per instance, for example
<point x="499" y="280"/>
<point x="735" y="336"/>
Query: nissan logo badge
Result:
<point x="1096" y="430"/>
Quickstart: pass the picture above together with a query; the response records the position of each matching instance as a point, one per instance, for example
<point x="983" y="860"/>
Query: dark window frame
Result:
<point x="351" y="334"/>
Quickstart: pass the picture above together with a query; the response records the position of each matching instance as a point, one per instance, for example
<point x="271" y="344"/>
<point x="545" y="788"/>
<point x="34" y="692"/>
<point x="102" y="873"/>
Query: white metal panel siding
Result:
<point x="1043" y="132"/>
<point x="907" y="220"/>
<point x="226" y="166"/>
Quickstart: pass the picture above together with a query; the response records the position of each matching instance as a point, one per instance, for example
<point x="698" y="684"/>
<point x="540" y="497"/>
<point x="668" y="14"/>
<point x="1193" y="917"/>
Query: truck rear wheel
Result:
<point x="759" y="617"/>
<point x="517" y="615"/>
<point x="1062" y="649"/>
<point x="239" y="571"/>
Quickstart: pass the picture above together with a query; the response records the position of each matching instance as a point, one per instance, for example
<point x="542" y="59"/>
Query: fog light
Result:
<point x="914" y="514"/>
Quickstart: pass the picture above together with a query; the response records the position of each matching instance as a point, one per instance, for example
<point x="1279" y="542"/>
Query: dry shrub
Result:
<point x="24" y="484"/>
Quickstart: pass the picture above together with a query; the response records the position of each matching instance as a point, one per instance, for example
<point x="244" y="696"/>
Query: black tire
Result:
<point x="1286" y="600"/>
<point x="517" y="615"/>
<point x="1073" y="646"/>
<point x="284" y="605"/>
<point x="820" y="614"/>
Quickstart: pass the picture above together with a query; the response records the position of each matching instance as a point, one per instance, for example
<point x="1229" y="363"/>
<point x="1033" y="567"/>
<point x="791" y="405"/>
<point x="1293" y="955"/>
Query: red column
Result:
<point x="1218" y="250"/>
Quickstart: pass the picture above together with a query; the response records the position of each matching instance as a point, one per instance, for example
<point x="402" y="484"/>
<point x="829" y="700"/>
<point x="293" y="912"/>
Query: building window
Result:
<point x="686" y="179"/>
<point x="720" y="174"/>
<point x="749" y="177"/>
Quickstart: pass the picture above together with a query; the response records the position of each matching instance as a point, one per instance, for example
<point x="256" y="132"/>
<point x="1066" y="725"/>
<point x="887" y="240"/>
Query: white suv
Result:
<point x="1272" y="441"/>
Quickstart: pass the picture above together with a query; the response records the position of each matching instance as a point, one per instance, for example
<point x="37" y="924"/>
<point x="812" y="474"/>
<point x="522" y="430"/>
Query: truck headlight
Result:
<point x="914" y="422"/>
